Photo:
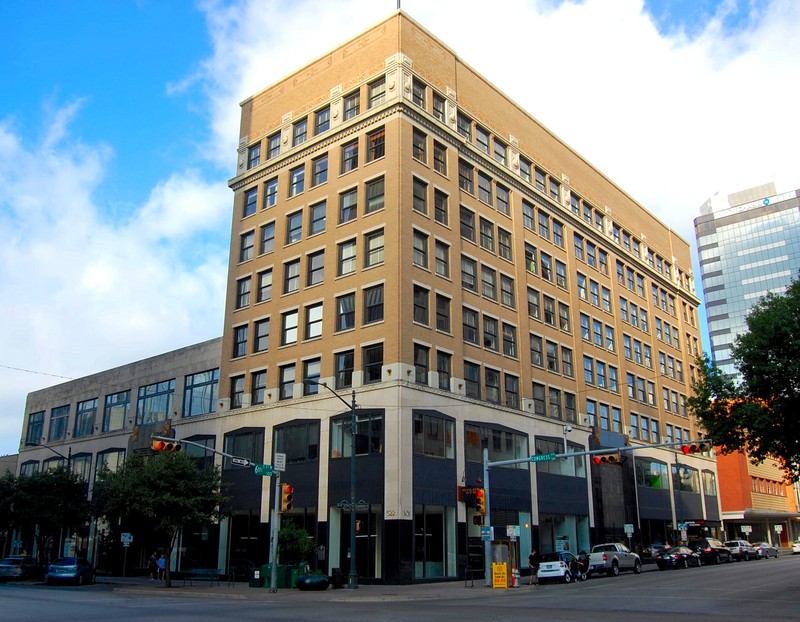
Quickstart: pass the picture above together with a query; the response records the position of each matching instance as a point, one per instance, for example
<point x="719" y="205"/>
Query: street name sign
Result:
<point x="543" y="457"/>
<point x="265" y="470"/>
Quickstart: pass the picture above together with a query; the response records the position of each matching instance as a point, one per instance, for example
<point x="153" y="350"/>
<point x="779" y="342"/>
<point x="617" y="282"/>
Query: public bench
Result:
<point x="202" y="574"/>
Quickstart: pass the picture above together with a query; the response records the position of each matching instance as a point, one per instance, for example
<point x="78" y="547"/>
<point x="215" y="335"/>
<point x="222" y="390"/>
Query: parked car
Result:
<point x="766" y="550"/>
<point x="741" y="550"/>
<point x="678" y="557"/>
<point x="711" y="550"/>
<point x="612" y="558"/>
<point x="796" y="546"/>
<point x="558" y="566"/>
<point x="76" y="570"/>
<point x="20" y="567"/>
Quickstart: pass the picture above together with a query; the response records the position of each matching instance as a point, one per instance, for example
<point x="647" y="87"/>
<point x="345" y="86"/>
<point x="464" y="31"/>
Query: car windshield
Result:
<point x="731" y="544"/>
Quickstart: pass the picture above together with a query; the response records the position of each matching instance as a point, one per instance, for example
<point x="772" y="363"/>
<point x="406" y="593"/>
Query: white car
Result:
<point x="559" y="567"/>
<point x="795" y="547"/>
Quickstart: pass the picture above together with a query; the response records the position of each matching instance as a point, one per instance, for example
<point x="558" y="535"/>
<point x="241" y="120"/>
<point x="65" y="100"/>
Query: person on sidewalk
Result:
<point x="152" y="566"/>
<point x="534" y="561"/>
<point x="162" y="566"/>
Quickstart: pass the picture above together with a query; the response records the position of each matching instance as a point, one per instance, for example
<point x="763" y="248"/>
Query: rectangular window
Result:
<point x="485" y="189"/>
<point x="537" y="358"/>
<point x="466" y="177"/>
<point x="258" y="387"/>
<point x="294" y="227"/>
<point x="261" y="336"/>
<point x="482" y="139"/>
<point x="472" y="380"/>
<point x="377" y="92"/>
<point x="489" y="282"/>
<point x="322" y="120"/>
<point x="487" y="234"/>
<point x="539" y="407"/>
<point x="511" y="391"/>
<point x="420" y="249"/>
<point x="421" y="363"/>
<point x="492" y="381"/>
<point x="372" y="356"/>
<point x="346" y="260"/>
<point x="470" y="326"/>
<point x="500" y="152"/>
<point x="420" y="196"/>
<point x="531" y="264"/>
<point x="469" y="274"/>
<point x="345" y="362"/>
<point x="464" y="126"/>
<point x="376" y="144"/>
<point x="297" y="178"/>
<point x="507" y="295"/>
<point x="319" y="170"/>
<point x="439" y="107"/>
<point x="348" y="206"/>
<point x="490" y="336"/>
<point x="237" y="391"/>
<point x="549" y="311"/>
<point x="351" y="105"/>
<point x="243" y="293"/>
<point x="547" y="266"/>
<point x="345" y="312"/>
<point x="555" y="403"/>
<point x="442" y="251"/>
<point x="250" y="202"/>
<point x="155" y="402"/>
<point x="552" y="356"/>
<point x="373" y="248"/>
<point x="267" y="238"/>
<point x="349" y="156"/>
<point x="442" y="313"/>
<point x="421" y="302"/>
<point x="239" y="341"/>
<point x="419" y="149"/>
<point x="467" y="224"/>
<point x="115" y="413"/>
<point x="291" y="276"/>
<point x="439" y="158"/>
<point x="254" y="156"/>
<point x="85" y="414"/>
<point x="264" y="285"/>
<point x="503" y="200"/>
<point x="246" y="243"/>
<point x="566" y="362"/>
<point x="504" y="244"/>
<point x="273" y="145"/>
<point x="299" y="132"/>
<point x="316" y="218"/>
<point x="525" y="169"/>
<point x="534" y="307"/>
<point x="558" y="234"/>
<point x="289" y="322"/>
<point x="375" y="195"/>
<point x="313" y="328"/>
<point x="544" y="225"/>
<point x="311" y="373"/>
<point x="286" y="382"/>
<point x="270" y="193"/>
<point x="418" y="93"/>
<point x="561" y="274"/>
<point x="373" y="304"/>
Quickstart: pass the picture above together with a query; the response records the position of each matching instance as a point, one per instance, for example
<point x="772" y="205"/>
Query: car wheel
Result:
<point x="685" y="563"/>
<point x="637" y="567"/>
<point x="614" y="572"/>
<point x="776" y="554"/>
<point x="699" y="562"/>
<point x="716" y="559"/>
<point x="567" y="577"/>
<point x="747" y="557"/>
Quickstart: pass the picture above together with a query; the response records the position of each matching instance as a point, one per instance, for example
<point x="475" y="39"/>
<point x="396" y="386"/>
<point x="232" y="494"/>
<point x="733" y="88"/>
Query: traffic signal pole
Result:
<point x="273" y="537"/>
<point x="688" y="447"/>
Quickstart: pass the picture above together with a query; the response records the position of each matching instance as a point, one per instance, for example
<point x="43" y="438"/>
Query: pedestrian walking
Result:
<point x="152" y="566"/>
<point x="533" y="561"/>
<point x="162" y="566"/>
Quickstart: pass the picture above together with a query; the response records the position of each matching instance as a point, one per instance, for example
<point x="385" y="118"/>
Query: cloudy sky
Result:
<point x="119" y="126"/>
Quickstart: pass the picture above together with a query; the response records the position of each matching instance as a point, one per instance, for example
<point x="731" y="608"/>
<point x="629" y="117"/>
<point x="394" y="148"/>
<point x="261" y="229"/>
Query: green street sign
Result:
<point x="543" y="457"/>
<point x="265" y="470"/>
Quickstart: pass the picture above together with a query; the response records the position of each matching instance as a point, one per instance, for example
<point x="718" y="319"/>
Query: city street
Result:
<point x="733" y="592"/>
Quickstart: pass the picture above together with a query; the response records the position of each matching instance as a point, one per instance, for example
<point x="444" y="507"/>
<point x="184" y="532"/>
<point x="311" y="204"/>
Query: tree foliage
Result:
<point x="294" y="543"/>
<point x="759" y="414"/>
<point x="159" y="494"/>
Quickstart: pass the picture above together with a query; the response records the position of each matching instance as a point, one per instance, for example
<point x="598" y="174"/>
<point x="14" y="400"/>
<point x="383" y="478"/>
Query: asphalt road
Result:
<point x="731" y="592"/>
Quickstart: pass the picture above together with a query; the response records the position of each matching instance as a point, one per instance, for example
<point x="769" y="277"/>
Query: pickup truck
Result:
<point x="612" y="559"/>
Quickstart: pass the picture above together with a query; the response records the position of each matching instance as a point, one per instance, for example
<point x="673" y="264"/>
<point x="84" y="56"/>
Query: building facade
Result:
<point x="419" y="272"/>
<point x="749" y="246"/>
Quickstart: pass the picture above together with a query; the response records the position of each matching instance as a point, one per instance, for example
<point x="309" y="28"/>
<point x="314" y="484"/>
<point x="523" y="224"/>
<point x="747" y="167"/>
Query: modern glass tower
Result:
<point x="749" y="245"/>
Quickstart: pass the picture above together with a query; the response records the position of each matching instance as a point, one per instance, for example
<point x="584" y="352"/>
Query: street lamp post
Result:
<point x="352" y="578"/>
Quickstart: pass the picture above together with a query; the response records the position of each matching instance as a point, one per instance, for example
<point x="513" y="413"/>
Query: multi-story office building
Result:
<point x="459" y="280"/>
<point x="749" y="246"/>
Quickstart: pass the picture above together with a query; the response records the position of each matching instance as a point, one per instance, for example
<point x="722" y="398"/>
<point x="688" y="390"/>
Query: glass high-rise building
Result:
<point x="749" y="245"/>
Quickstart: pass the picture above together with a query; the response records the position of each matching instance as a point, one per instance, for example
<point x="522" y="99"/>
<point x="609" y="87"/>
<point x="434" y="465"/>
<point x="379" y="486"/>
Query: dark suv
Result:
<point x="711" y="550"/>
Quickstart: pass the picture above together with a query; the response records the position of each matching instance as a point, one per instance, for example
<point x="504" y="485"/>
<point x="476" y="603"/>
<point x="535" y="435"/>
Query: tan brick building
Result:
<point x="407" y="235"/>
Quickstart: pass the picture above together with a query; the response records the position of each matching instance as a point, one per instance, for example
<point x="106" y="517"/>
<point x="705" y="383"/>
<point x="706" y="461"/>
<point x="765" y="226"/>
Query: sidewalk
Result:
<point x="242" y="591"/>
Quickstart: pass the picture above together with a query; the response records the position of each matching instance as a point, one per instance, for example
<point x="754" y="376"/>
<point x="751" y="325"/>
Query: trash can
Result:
<point x="336" y="578"/>
<point x="266" y="576"/>
<point x="256" y="578"/>
<point x="294" y="572"/>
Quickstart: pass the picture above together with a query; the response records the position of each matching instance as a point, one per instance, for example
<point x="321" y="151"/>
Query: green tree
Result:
<point x="161" y="494"/>
<point x="8" y="487"/>
<point x="758" y="415"/>
<point x="294" y="543"/>
<point x="52" y="500"/>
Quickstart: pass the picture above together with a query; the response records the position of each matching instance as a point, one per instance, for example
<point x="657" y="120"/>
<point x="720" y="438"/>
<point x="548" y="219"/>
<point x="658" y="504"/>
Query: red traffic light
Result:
<point x="173" y="446"/>
<point x="287" y="494"/>
<point x="611" y="458"/>
<point x="694" y="448"/>
<point x="480" y="501"/>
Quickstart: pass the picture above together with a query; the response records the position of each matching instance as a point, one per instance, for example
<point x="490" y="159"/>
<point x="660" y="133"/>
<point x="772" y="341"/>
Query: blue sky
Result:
<point x="119" y="124"/>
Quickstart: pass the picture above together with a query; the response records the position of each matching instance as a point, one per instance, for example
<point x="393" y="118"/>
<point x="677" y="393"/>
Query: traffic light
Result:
<point x="609" y="458"/>
<point x="287" y="494"/>
<point x="174" y="446"/>
<point x="480" y="501"/>
<point x="696" y="448"/>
